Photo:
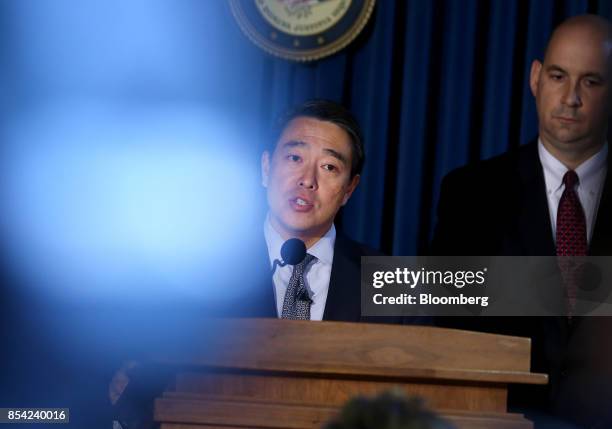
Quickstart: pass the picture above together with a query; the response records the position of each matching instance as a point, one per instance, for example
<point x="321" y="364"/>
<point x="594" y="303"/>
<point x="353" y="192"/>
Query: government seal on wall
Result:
<point x="302" y="30"/>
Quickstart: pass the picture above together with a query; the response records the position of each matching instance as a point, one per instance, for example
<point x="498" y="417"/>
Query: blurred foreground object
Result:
<point x="389" y="410"/>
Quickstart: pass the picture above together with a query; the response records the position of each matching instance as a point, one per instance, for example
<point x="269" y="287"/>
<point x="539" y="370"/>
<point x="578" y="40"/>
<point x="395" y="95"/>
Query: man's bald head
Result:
<point x="573" y="87"/>
<point x="591" y="28"/>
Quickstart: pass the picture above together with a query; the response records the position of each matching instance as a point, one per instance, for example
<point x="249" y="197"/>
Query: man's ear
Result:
<point x="352" y="186"/>
<point x="265" y="168"/>
<point x="534" y="76"/>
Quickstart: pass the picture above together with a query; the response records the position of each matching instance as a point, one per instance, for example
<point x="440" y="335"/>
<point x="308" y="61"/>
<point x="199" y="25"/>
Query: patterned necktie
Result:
<point x="571" y="236"/>
<point x="296" y="304"/>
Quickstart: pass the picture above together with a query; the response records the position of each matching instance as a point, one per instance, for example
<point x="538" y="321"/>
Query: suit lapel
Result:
<point x="344" y="294"/>
<point x="534" y="229"/>
<point x="263" y="300"/>
<point x="602" y="233"/>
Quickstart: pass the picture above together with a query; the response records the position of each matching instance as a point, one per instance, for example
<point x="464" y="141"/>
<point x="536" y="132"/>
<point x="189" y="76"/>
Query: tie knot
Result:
<point x="307" y="260"/>
<point x="570" y="180"/>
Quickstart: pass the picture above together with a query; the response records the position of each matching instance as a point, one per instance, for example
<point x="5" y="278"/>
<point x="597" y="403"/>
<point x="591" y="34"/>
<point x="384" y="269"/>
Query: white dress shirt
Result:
<point x="316" y="276"/>
<point x="591" y="175"/>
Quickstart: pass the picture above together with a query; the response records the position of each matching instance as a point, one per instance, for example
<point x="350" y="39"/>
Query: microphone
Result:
<point x="293" y="251"/>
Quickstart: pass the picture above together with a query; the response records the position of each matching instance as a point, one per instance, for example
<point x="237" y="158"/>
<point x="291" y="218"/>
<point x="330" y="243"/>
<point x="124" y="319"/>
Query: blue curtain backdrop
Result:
<point x="435" y="86"/>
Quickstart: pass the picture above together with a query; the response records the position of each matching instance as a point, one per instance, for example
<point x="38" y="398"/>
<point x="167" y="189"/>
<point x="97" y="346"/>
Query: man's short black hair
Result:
<point x="328" y="111"/>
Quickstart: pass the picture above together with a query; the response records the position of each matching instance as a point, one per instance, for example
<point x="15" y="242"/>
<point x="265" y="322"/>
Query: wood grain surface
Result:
<point x="268" y="373"/>
<point x="360" y="349"/>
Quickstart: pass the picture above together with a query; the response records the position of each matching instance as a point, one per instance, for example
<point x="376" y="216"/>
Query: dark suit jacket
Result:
<point x="499" y="207"/>
<point x="344" y="295"/>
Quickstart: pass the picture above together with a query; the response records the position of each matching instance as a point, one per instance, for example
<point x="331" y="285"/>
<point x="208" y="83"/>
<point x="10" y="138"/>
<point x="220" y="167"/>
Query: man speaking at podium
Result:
<point x="309" y="174"/>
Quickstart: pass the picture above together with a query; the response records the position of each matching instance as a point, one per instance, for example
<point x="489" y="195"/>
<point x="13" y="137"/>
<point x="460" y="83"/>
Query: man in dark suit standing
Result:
<point x="550" y="197"/>
<point x="309" y="174"/>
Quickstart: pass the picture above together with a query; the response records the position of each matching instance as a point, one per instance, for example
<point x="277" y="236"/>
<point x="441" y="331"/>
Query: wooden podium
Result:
<point x="268" y="373"/>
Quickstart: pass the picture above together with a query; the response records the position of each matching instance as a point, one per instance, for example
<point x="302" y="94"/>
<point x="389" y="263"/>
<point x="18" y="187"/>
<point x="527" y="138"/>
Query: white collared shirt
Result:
<point x="591" y="175"/>
<point x="317" y="274"/>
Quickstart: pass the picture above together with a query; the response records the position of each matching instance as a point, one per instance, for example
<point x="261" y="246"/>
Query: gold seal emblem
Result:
<point x="303" y="17"/>
<point x="302" y="30"/>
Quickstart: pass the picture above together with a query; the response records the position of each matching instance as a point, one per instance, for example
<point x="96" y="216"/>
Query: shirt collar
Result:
<point x="587" y="172"/>
<point x="323" y="249"/>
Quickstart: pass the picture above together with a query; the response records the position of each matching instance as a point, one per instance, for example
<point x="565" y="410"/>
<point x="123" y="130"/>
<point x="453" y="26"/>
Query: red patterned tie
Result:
<point x="571" y="236"/>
